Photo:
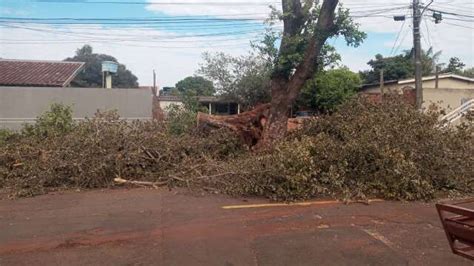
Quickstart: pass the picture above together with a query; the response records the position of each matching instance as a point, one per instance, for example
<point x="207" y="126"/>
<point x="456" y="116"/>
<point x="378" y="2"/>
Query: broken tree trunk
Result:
<point x="248" y="125"/>
<point x="269" y="123"/>
<point x="286" y="87"/>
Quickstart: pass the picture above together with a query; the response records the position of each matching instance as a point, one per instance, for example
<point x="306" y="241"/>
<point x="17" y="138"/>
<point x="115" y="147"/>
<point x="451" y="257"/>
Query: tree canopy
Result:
<point x="396" y="67"/>
<point x="91" y="76"/>
<point x="244" y="79"/>
<point x="468" y="72"/>
<point x="401" y="66"/>
<point x="455" y="65"/>
<point x="196" y="86"/>
<point x="328" y="89"/>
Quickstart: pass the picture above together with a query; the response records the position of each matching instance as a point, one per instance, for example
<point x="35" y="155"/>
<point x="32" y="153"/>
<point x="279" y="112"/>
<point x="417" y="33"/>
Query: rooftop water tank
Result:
<point x="109" y="66"/>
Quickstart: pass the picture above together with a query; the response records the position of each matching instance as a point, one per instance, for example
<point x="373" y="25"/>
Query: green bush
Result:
<point x="181" y="119"/>
<point x="5" y="134"/>
<point x="56" y="121"/>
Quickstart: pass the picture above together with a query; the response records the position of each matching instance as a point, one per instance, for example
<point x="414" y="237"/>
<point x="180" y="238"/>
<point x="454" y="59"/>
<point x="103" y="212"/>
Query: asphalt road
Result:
<point x="160" y="227"/>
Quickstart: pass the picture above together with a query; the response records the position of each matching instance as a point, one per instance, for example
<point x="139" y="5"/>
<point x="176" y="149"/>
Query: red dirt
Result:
<point x="139" y="226"/>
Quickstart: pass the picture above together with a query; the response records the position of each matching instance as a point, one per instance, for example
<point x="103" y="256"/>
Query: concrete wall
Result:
<point x="165" y="105"/>
<point x="446" y="83"/>
<point x="428" y="84"/>
<point x="387" y="88"/>
<point x="446" y="98"/>
<point x="449" y="95"/>
<point x="22" y="104"/>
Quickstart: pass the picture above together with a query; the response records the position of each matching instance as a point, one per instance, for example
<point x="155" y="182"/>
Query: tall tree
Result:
<point x="91" y="76"/>
<point x="455" y="65"/>
<point x="468" y="72"/>
<point x="243" y="79"/>
<point x="429" y="61"/>
<point x="196" y="86"/>
<point x="395" y="68"/>
<point x="306" y="27"/>
<point x="399" y="66"/>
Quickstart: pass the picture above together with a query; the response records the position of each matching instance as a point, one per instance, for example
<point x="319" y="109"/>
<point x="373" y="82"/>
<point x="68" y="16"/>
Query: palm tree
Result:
<point x="429" y="60"/>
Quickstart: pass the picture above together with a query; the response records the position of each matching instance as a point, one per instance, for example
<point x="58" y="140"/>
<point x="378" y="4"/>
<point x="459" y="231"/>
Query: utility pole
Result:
<point x="417" y="15"/>
<point x="417" y="53"/>
<point x="382" y="91"/>
<point x="155" y="91"/>
<point x="437" y="78"/>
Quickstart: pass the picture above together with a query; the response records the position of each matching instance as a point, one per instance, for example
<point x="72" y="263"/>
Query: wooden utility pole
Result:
<point x="417" y="53"/>
<point x="154" y="82"/>
<point x="437" y="78"/>
<point x="381" y="83"/>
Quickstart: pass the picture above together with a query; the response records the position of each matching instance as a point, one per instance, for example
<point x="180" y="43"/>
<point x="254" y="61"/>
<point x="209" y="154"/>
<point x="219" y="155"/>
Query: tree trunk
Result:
<point x="264" y="125"/>
<point x="277" y="122"/>
<point x="248" y="125"/>
<point x="285" y="90"/>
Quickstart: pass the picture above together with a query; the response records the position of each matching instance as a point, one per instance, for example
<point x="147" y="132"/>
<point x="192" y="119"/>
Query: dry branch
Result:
<point x="120" y="180"/>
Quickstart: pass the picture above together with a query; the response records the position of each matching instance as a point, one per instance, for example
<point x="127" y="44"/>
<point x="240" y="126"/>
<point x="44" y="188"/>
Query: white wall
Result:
<point x="22" y="104"/>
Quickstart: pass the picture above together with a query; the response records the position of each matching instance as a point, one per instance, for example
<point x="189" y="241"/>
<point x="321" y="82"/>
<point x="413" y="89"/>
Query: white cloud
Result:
<point x="234" y="8"/>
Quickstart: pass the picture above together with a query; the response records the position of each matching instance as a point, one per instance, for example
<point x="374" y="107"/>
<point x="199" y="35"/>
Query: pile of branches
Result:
<point x="362" y="150"/>
<point x="97" y="151"/>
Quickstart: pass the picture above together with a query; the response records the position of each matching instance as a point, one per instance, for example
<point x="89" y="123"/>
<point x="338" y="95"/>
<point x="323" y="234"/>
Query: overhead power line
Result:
<point x="428" y="37"/>
<point x="402" y="40"/>
<point x="214" y="3"/>
<point x="398" y="37"/>
<point x="174" y="19"/>
<point x="458" y="25"/>
<point x="451" y="13"/>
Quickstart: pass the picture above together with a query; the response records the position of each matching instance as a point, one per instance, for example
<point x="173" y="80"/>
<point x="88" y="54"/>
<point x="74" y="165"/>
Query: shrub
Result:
<point x="56" y="121"/>
<point x="182" y="119"/>
<point x="5" y="134"/>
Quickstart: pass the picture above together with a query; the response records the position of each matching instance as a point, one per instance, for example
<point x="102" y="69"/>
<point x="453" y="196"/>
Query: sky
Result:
<point x="170" y="36"/>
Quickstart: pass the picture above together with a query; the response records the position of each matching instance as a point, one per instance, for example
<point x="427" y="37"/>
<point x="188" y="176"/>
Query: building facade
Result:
<point x="448" y="91"/>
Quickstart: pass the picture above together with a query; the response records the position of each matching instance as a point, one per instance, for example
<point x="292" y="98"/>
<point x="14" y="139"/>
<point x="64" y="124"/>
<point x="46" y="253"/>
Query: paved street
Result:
<point x="161" y="227"/>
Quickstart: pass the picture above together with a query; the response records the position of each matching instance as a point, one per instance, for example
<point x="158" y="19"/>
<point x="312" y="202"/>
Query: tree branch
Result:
<point x="306" y="68"/>
<point x="293" y="17"/>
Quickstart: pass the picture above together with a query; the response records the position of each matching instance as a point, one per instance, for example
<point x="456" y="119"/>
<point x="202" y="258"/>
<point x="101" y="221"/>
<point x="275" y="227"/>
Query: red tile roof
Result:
<point x="38" y="73"/>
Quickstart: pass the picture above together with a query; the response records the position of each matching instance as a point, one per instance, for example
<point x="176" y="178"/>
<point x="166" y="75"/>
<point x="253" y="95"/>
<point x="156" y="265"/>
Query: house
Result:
<point x="35" y="73"/>
<point x="214" y="105"/>
<point x="449" y="91"/>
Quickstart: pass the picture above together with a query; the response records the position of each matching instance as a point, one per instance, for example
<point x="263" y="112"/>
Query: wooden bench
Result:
<point x="458" y="223"/>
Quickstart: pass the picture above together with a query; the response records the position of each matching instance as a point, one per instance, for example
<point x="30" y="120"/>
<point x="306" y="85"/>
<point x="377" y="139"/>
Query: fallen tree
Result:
<point x="249" y="126"/>
<point x="363" y="150"/>
<point x="303" y="51"/>
<point x="306" y="27"/>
